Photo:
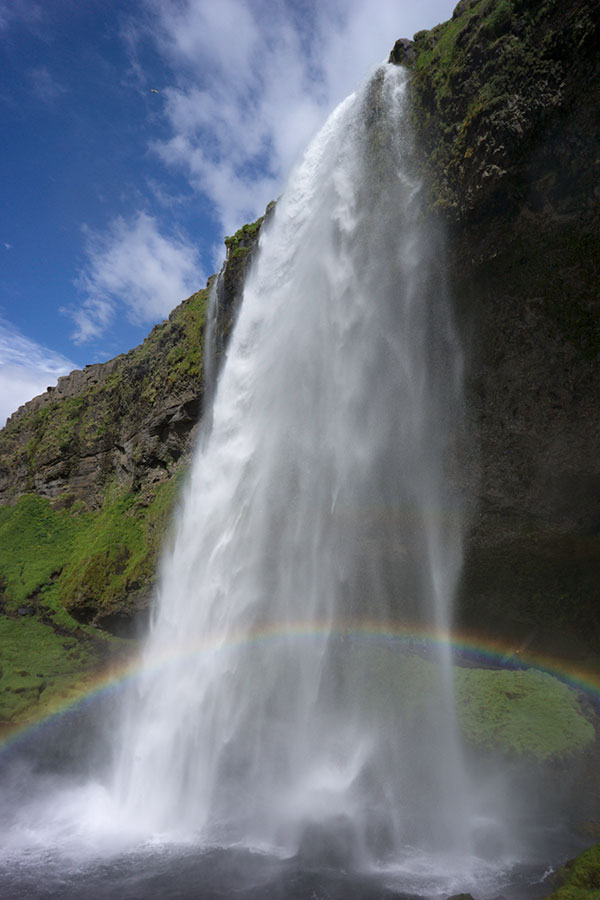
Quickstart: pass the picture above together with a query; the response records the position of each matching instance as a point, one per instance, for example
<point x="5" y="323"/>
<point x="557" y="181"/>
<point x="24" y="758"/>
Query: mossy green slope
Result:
<point x="61" y="569"/>
<point x="523" y="712"/>
<point x="526" y="714"/>
<point x="579" y="879"/>
<point x="40" y="665"/>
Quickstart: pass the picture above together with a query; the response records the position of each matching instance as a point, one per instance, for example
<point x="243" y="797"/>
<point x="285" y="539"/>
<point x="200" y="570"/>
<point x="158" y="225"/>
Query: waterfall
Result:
<point x="318" y="515"/>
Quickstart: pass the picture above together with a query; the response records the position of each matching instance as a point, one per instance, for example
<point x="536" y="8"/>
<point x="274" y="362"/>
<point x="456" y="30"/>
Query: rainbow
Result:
<point x="478" y="651"/>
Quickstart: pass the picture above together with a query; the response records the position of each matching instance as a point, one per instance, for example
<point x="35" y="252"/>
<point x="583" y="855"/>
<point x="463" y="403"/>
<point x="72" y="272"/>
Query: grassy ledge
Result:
<point x="62" y="572"/>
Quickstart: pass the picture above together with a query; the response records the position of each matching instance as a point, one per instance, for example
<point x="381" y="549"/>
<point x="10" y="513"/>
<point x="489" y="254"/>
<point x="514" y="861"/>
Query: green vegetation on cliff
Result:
<point x="490" y="85"/>
<point x="62" y="568"/>
<point x="108" y="421"/>
<point x="98" y="561"/>
<point x="85" y="555"/>
<point x="111" y="566"/>
<point x="505" y="100"/>
<point x="579" y="879"/>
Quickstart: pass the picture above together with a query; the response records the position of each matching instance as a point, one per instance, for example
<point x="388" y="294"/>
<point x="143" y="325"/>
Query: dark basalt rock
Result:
<point x="403" y="53"/>
<point x="505" y="99"/>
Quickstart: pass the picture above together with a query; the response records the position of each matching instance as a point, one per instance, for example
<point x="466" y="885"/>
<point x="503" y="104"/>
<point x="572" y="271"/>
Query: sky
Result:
<point x="136" y="134"/>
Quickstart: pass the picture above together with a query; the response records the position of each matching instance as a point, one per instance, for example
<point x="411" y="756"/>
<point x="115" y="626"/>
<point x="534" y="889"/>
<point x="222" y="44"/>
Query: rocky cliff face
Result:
<point x="506" y="98"/>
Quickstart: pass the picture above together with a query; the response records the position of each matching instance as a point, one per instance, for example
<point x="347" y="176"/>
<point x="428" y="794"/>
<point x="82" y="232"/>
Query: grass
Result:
<point x="54" y="563"/>
<point x="114" y="552"/>
<point x="247" y="233"/>
<point x="522" y="713"/>
<point x="38" y="666"/>
<point x="580" y="877"/>
<point x="35" y="543"/>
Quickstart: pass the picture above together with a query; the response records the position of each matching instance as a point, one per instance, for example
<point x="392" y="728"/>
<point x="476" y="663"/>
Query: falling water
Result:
<point x="317" y="510"/>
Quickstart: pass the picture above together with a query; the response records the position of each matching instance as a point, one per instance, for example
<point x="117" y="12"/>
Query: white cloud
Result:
<point x="253" y="81"/>
<point x="26" y="369"/>
<point x="135" y="267"/>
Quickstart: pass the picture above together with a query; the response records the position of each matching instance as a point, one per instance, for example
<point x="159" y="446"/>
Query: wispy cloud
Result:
<point x="244" y="101"/>
<point x="252" y="82"/>
<point x="13" y="12"/>
<point x="45" y="86"/>
<point x="134" y="267"/>
<point x="26" y="369"/>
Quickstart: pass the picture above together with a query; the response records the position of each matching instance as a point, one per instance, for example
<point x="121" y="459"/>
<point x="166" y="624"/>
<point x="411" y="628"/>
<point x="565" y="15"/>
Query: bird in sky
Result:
<point x="154" y="91"/>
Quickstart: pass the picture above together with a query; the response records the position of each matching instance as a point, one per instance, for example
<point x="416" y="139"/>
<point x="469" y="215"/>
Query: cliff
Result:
<point x="505" y="99"/>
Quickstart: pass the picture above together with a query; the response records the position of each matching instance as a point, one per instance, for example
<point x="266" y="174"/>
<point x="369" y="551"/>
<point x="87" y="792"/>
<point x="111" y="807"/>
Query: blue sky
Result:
<point x="115" y="199"/>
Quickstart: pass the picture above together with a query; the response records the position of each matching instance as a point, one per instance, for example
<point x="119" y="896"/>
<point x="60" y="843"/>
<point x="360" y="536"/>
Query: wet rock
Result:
<point x="403" y="53"/>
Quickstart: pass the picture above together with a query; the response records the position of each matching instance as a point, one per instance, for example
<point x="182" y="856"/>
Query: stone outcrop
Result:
<point x="403" y="53"/>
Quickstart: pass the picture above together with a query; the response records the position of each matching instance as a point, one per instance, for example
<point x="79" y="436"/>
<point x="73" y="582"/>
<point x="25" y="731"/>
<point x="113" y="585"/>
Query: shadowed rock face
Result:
<point x="506" y="96"/>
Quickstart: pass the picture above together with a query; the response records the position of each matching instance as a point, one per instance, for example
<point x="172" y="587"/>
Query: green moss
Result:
<point x="580" y="877"/>
<point x="114" y="553"/>
<point x="499" y="19"/>
<point x="56" y="428"/>
<point x="525" y="712"/>
<point x="246" y="233"/>
<point x="44" y="652"/>
<point x="59" y="567"/>
<point x="487" y="78"/>
<point x="64" y="430"/>
<point x="38" y="666"/>
<point x="35" y="543"/>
